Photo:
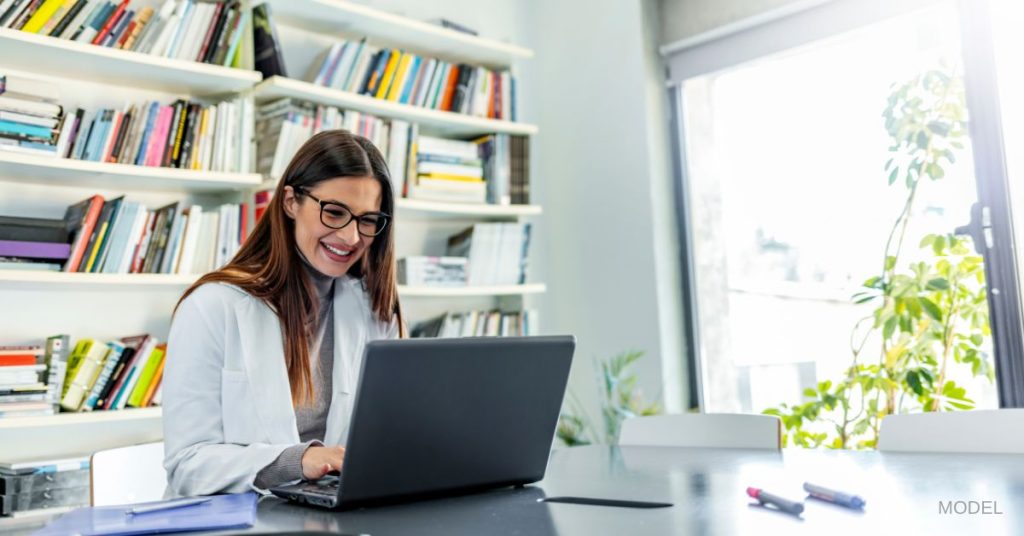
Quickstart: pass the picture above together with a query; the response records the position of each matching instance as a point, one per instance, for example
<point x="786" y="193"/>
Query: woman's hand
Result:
<point x="318" y="461"/>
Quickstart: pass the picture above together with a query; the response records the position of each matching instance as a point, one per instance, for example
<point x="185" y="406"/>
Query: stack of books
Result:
<point x="120" y="237"/>
<point x="448" y="170"/>
<point x="432" y="271"/>
<point x="44" y="486"/>
<point x="29" y="115"/>
<point x="113" y="375"/>
<point x="407" y="78"/>
<point x="33" y="243"/>
<point x="497" y="252"/>
<point x="22" y="393"/>
<point x="182" y="134"/>
<point x="282" y="126"/>
<point x="208" y="32"/>
<point x="478" y="324"/>
<point x="506" y="163"/>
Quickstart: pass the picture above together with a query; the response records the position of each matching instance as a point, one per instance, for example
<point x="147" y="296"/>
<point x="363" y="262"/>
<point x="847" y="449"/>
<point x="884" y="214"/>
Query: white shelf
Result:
<point x="474" y="210"/>
<point x="27" y="278"/>
<point x="382" y="28"/>
<point x="436" y="121"/>
<point x="471" y="291"/>
<point x="82" y="61"/>
<point x="85" y="417"/>
<point x="17" y="279"/>
<point x="66" y="171"/>
<point x="74" y="434"/>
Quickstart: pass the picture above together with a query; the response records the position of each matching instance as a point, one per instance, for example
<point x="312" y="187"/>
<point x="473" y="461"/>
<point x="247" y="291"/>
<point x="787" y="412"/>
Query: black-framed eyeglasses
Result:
<point x="336" y="216"/>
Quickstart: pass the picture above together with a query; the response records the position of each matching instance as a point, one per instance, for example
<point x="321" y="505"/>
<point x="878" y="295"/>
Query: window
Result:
<point x="792" y="204"/>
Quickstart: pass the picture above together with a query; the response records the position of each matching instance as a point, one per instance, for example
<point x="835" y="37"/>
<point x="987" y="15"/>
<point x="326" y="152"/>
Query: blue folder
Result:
<point x="221" y="512"/>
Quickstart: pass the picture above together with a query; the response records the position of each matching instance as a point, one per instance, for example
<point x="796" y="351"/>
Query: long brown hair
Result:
<point x="268" y="266"/>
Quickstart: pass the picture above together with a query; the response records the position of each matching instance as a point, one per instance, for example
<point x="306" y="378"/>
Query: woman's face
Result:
<point x="332" y="251"/>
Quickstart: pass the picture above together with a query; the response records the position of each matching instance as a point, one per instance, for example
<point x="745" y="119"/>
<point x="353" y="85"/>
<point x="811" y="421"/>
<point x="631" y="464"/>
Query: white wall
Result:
<point x="596" y="90"/>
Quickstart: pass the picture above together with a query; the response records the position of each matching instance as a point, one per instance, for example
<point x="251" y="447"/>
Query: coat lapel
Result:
<point x="263" y="355"/>
<point x="349" y="337"/>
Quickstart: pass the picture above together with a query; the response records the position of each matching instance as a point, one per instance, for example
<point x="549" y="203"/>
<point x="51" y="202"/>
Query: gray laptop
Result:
<point x="436" y="417"/>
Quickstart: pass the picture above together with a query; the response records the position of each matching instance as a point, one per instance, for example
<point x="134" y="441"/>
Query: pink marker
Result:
<point x="786" y="505"/>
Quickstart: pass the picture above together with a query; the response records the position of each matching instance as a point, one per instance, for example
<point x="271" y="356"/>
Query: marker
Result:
<point x="835" y="497"/>
<point x="786" y="505"/>
<point x="168" y="505"/>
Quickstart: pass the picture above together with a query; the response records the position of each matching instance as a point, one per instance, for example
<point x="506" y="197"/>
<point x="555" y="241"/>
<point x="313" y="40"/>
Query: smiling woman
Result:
<point x="264" y="352"/>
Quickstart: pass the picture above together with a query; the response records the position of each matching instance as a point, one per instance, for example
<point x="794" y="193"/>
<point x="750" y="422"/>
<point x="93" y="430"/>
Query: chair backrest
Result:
<point x="979" y="431"/>
<point x="127" y="475"/>
<point x="710" y="430"/>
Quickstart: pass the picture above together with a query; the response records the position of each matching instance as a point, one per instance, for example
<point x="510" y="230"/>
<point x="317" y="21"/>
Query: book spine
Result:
<point x="110" y="22"/>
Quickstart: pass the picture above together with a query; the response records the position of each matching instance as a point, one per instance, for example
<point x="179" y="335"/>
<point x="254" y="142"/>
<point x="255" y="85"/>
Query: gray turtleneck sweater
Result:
<point x="311" y="420"/>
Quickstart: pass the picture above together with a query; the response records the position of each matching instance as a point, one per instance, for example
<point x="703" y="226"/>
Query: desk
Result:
<point x="707" y="487"/>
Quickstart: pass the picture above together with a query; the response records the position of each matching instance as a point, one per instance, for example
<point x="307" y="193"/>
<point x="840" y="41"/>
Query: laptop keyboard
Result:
<point x="321" y="488"/>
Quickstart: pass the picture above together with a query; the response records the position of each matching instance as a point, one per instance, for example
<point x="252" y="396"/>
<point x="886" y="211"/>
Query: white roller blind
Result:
<point x="777" y="31"/>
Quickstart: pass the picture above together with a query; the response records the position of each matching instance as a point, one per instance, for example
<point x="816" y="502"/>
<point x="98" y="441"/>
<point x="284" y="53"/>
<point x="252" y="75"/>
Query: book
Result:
<point x="25" y="349"/>
<point x="135" y="347"/>
<point x="33" y="229"/>
<point x="148" y="372"/>
<point x="80" y="220"/>
<point x="266" y="45"/>
<point x="110" y="361"/>
<point x="108" y="219"/>
<point x="86" y="372"/>
<point x="115" y="376"/>
<point x="56" y="360"/>
<point x="34" y="250"/>
<point x="432" y="271"/>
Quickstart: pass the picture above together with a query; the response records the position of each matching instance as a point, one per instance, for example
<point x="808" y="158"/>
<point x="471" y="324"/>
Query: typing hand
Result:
<point x="318" y="461"/>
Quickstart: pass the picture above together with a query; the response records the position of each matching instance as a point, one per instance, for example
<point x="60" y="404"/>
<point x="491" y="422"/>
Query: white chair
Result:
<point x="976" y="431"/>
<point x="127" y="475"/>
<point x="704" y="430"/>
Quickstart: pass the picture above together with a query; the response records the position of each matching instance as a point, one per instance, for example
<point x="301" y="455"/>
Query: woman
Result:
<point x="264" y="353"/>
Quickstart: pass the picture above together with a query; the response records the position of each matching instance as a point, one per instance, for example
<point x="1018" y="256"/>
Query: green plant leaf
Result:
<point x="933" y="310"/>
<point x="938" y="283"/>
<point x="890" y="327"/>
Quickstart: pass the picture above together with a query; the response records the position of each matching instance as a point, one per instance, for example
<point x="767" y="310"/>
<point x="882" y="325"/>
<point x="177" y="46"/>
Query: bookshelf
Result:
<point x="82" y="61"/>
<point x="136" y="76"/>
<point x="21" y="280"/>
<point x="436" y="121"/>
<point x="334" y="16"/>
<point x="41" y="437"/>
<point x="470" y="291"/>
<point x="70" y="172"/>
<point x="24" y="280"/>
<point x="463" y="210"/>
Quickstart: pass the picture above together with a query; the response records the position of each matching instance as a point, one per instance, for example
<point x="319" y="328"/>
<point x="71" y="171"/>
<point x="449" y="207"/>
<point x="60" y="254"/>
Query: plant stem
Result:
<point x="947" y="336"/>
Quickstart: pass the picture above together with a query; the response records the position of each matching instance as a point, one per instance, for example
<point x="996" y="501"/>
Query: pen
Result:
<point x="835" y="497"/>
<point x="168" y="505"/>
<point x="786" y="505"/>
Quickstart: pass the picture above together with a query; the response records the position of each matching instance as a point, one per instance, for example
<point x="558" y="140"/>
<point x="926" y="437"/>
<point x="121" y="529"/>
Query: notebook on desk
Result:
<point x="220" y="512"/>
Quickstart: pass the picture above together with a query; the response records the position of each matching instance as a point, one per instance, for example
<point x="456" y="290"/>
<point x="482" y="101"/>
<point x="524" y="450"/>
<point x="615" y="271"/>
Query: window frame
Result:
<point x="808" y="22"/>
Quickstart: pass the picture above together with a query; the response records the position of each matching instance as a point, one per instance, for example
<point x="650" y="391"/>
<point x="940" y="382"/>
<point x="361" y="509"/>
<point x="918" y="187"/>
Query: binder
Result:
<point x="221" y="512"/>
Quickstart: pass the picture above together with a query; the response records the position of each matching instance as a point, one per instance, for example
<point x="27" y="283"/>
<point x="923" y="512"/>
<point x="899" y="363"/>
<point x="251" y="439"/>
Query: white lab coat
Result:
<point x="227" y="409"/>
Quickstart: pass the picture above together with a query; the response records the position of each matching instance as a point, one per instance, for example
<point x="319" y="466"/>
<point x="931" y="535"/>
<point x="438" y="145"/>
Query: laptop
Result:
<point x="438" y="417"/>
